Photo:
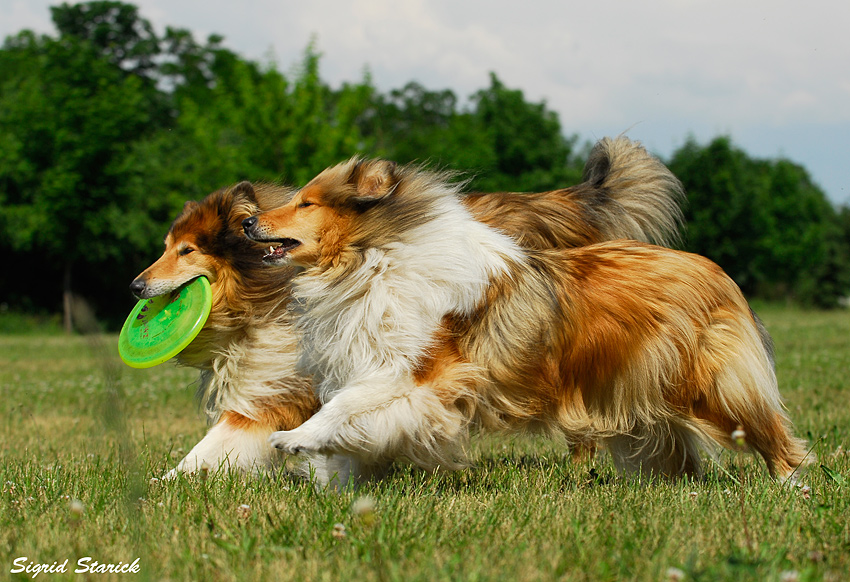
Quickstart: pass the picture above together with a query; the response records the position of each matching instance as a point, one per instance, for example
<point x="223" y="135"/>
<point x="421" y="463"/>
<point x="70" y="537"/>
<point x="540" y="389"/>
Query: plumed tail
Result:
<point x="626" y="194"/>
<point x="635" y="195"/>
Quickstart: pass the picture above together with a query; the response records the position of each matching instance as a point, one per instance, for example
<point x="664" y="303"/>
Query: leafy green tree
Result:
<point x="115" y="30"/>
<point x="317" y="126"/>
<point x="502" y="141"/>
<point x="828" y="282"/>
<point x="798" y="237"/>
<point x="726" y="213"/>
<point x="530" y="150"/>
<point x="67" y="118"/>
<point x="238" y="120"/>
<point x="414" y="124"/>
<point x="107" y="129"/>
<point x="765" y="222"/>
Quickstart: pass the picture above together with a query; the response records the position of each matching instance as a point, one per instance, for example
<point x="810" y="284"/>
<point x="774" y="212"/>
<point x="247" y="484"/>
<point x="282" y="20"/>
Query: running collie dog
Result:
<point x="247" y="350"/>
<point x="419" y="322"/>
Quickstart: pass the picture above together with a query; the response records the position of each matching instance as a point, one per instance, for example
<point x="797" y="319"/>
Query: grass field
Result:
<point x="83" y="436"/>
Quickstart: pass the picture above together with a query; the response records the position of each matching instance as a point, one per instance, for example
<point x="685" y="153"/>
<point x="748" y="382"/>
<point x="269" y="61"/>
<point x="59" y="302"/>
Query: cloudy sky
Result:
<point x="772" y="74"/>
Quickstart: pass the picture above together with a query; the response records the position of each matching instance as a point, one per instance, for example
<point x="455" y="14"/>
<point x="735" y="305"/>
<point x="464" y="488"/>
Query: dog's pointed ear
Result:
<point x="244" y="192"/>
<point x="374" y="179"/>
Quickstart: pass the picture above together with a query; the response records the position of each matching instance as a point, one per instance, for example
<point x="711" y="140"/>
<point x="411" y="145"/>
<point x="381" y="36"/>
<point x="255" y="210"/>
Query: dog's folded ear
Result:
<point x="373" y="179"/>
<point x="243" y="204"/>
<point x="244" y="192"/>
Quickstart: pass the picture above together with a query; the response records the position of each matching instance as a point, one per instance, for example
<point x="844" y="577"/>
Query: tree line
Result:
<point x="107" y="128"/>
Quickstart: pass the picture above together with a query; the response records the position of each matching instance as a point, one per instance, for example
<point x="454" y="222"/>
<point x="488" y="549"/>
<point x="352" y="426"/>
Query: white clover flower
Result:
<point x="363" y="506"/>
<point x="338" y="531"/>
<point x="739" y="437"/>
<point x="363" y="509"/>
<point x="243" y="511"/>
<point x="76" y="508"/>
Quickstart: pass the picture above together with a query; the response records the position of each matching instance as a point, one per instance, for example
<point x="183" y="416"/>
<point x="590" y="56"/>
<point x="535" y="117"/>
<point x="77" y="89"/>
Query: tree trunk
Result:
<point x="67" y="299"/>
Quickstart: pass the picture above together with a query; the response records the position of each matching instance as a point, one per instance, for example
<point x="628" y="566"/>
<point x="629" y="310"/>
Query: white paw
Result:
<point x="292" y="442"/>
<point x="170" y="475"/>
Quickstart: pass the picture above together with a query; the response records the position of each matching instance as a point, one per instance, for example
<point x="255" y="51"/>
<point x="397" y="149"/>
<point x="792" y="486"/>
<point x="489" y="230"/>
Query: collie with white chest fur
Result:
<point x="419" y="324"/>
<point x="246" y="350"/>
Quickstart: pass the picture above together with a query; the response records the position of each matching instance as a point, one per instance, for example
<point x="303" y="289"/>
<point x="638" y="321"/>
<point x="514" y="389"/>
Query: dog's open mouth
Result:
<point x="279" y="248"/>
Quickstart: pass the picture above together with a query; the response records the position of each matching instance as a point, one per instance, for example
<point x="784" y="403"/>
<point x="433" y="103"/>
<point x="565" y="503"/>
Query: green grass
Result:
<point x="78" y="426"/>
<point x="12" y="322"/>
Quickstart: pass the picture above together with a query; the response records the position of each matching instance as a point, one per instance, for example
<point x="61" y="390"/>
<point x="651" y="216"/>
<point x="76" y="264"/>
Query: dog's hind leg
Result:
<point x="784" y="453"/>
<point x="337" y="472"/>
<point x="743" y="393"/>
<point x="668" y="448"/>
<point x="765" y="428"/>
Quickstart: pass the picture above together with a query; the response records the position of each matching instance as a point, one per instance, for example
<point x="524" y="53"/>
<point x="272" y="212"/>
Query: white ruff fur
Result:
<point x="365" y="333"/>
<point x="253" y="369"/>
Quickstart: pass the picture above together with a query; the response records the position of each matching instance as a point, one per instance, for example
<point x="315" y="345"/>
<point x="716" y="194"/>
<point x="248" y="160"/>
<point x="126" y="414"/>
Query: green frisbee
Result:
<point x="158" y="328"/>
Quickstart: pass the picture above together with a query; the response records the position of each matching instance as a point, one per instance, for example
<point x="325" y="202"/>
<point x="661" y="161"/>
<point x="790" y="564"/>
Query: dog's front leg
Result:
<point x="324" y="433"/>
<point x="338" y="472"/>
<point x="376" y="421"/>
<point x="234" y="442"/>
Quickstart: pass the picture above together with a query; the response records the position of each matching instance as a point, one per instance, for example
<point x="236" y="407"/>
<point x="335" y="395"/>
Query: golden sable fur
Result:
<point x="419" y="323"/>
<point x="625" y="194"/>
<point x="245" y="351"/>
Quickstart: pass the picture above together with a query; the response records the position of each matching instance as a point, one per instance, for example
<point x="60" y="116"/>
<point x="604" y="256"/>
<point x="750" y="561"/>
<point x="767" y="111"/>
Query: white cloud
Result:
<point x="674" y="66"/>
<point x="17" y="15"/>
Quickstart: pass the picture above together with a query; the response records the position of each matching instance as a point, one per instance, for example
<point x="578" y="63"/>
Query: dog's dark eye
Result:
<point x="305" y="204"/>
<point x="185" y="251"/>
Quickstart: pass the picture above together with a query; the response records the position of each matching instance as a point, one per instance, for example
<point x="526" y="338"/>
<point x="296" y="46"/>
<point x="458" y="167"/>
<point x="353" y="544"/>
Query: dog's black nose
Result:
<point x="137" y="286"/>
<point x="249" y="223"/>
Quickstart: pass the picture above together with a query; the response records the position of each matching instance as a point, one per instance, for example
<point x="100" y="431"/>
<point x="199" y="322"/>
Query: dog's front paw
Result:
<point x="289" y="442"/>
<point x="171" y="475"/>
